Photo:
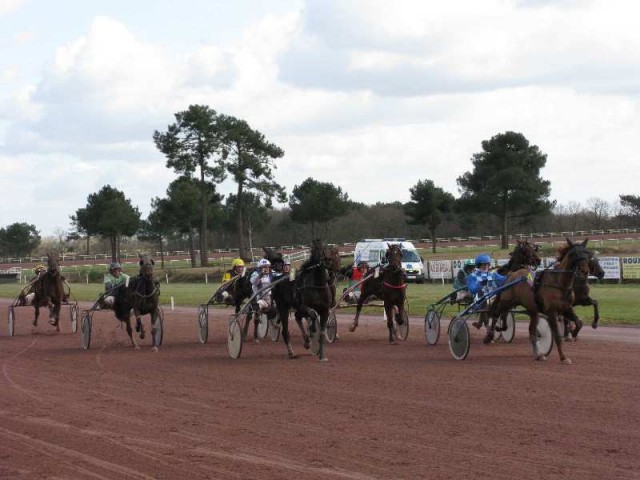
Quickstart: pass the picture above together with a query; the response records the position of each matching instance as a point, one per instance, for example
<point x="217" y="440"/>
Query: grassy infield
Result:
<point x="618" y="302"/>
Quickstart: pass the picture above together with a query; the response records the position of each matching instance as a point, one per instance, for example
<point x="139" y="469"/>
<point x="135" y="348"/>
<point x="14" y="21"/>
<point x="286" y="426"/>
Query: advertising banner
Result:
<point x="440" y="269"/>
<point x="611" y="267"/>
<point x="630" y="267"/>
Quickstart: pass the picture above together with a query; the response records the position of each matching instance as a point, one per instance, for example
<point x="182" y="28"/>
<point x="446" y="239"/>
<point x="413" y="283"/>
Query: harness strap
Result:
<point x="387" y="284"/>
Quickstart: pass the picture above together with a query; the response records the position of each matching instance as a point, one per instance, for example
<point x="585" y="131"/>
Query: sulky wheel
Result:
<point x="74" y="318"/>
<point x="263" y="325"/>
<point x="331" y="328"/>
<point x="509" y="332"/>
<point x="12" y="322"/>
<point x="403" y="328"/>
<point x="459" y="339"/>
<point x="234" y="336"/>
<point x="275" y="327"/>
<point x="544" y="337"/>
<point x="203" y="323"/>
<point x="159" y="326"/>
<point x="85" y="327"/>
<point x="432" y="326"/>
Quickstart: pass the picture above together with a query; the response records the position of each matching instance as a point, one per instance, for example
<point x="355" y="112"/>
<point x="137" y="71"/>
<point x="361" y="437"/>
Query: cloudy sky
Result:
<point x="371" y="95"/>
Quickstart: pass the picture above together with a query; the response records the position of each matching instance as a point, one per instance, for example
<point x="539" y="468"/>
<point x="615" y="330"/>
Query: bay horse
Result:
<point x="389" y="286"/>
<point x="525" y="255"/>
<point x="49" y="292"/>
<point x="142" y="295"/>
<point x="582" y="298"/>
<point x="551" y="293"/>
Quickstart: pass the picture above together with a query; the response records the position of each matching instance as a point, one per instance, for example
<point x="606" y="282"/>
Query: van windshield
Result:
<point x="410" y="256"/>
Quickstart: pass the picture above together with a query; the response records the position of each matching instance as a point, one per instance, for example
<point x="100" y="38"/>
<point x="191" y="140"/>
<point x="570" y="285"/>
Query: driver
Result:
<point x="482" y="281"/>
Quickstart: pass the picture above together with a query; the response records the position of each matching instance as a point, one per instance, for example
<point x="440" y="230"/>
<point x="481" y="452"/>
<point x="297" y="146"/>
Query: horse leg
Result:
<point x="533" y="336"/>
<point x="596" y="313"/>
<point x="553" y="323"/>
<point x="154" y="318"/>
<point x="247" y="321"/>
<point x="322" y="319"/>
<point x="127" y="322"/>
<point x="578" y="323"/>
<point x="389" y="312"/>
<point x="56" y="316"/>
<point x="354" y="325"/>
<point x="139" y="324"/>
<point x="35" y="320"/>
<point x="305" y="334"/>
<point x="286" y="336"/>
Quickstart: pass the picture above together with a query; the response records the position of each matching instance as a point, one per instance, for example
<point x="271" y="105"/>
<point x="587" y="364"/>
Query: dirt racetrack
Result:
<point x="374" y="411"/>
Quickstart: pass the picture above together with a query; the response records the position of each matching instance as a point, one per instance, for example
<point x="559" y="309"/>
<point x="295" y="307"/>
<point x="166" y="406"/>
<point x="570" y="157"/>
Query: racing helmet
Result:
<point x="39" y="267"/>
<point x="264" y="263"/>
<point x="468" y="263"/>
<point x="483" y="258"/>
<point x="237" y="262"/>
<point x="363" y="265"/>
<point x="287" y="262"/>
<point x="114" y="265"/>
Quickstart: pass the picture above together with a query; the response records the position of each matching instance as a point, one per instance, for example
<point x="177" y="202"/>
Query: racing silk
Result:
<point x="476" y="278"/>
<point x="258" y="282"/>
<point x="111" y="281"/>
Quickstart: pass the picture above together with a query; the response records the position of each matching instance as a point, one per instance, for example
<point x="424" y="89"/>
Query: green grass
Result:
<point x="618" y="303"/>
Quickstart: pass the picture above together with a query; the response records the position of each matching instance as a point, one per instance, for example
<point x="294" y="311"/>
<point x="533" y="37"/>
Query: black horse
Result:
<point x="142" y="295"/>
<point x="389" y="286"/>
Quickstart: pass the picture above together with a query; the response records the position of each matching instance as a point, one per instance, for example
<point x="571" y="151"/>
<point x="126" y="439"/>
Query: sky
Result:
<point x="370" y="95"/>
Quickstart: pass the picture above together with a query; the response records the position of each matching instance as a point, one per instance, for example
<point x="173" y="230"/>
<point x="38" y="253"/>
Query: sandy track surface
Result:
<point x="374" y="411"/>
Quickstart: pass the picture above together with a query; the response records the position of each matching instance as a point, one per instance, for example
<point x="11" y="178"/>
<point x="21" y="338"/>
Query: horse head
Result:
<point x="575" y="256"/>
<point x="332" y="259"/>
<point x="524" y="255"/>
<point x="394" y="256"/>
<point x="595" y="268"/>
<point x="146" y="263"/>
<point x="53" y="264"/>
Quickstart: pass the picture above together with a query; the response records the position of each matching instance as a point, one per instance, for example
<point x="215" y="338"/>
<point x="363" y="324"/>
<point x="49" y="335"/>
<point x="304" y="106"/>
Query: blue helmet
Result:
<point x="483" y="258"/>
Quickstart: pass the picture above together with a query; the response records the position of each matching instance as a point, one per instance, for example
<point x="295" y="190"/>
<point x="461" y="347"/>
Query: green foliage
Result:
<point x="428" y="206"/>
<point x="317" y="202"/>
<point x="506" y="181"/>
<point x="631" y="206"/>
<point x="19" y="239"/>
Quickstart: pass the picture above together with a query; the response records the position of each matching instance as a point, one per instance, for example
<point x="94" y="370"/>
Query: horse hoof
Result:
<point x="307" y="345"/>
<point x="142" y="335"/>
<point x="567" y="361"/>
<point x="541" y="358"/>
<point x="353" y="327"/>
<point x="324" y="359"/>
<point x="594" y="325"/>
<point x="292" y="356"/>
<point x="136" y="347"/>
<point x="476" y="324"/>
<point x="154" y="349"/>
<point x="393" y="342"/>
<point x="487" y="339"/>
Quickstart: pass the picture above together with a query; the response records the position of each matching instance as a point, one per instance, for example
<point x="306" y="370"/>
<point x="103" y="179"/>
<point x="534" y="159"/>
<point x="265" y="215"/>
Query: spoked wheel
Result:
<point x="509" y="332"/>
<point x="432" y="326"/>
<point x="263" y="325"/>
<point x="12" y="321"/>
<point x="544" y="338"/>
<point x="86" y="330"/>
<point x="402" y="329"/>
<point x="74" y="318"/>
<point x="159" y="327"/>
<point x="313" y="327"/>
<point x="203" y="323"/>
<point x="497" y="335"/>
<point x="234" y="336"/>
<point x="275" y="327"/>
<point x="459" y="338"/>
<point x="331" y="328"/>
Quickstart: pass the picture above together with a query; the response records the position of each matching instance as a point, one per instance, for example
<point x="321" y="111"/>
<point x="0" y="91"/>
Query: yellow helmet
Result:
<point x="237" y="263"/>
<point x="39" y="266"/>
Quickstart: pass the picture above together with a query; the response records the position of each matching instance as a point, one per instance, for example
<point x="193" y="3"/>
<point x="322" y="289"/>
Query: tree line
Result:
<point x="503" y="192"/>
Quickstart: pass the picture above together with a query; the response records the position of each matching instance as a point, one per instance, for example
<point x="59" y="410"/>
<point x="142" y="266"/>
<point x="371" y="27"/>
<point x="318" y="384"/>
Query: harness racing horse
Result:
<point x="389" y="286"/>
<point x="524" y="256"/>
<point x="582" y="298"/>
<point x="141" y="294"/>
<point x="313" y="295"/>
<point x="333" y="263"/>
<point x="49" y="292"/>
<point x="551" y="293"/>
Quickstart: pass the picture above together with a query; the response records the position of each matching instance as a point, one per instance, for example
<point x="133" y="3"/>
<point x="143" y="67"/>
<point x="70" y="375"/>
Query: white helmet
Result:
<point x="264" y="263"/>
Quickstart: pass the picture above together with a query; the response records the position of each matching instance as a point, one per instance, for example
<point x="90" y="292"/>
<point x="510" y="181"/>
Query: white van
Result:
<point x="373" y="252"/>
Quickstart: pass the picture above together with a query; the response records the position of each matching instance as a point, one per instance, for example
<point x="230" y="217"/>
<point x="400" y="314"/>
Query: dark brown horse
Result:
<point x="389" y="286"/>
<point x="334" y="266"/>
<point x="313" y="294"/>
<point x="142" y="295"/>
<point x="49" y="291"/>
<point x="551" y="293"/>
